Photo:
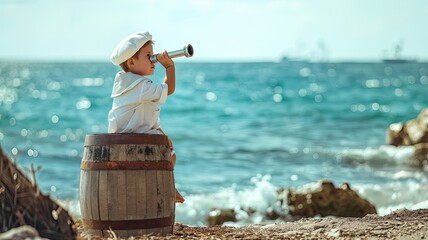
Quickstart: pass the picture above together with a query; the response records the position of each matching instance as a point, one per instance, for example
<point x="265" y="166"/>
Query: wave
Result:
<point x="411" y="193"/>
<point x="262" y="198"/>
<point x="388" y="197"/>
<point x="377" y="157"/>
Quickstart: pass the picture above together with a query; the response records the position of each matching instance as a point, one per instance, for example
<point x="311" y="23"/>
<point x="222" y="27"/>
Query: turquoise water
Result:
<point x="240" y="130"/>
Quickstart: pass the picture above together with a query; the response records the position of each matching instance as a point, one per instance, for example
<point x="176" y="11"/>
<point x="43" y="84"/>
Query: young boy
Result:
<point x="136" y="99"/>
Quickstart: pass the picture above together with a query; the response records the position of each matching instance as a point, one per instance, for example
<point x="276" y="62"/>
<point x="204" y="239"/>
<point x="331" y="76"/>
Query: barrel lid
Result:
<point x="125" y="138"/>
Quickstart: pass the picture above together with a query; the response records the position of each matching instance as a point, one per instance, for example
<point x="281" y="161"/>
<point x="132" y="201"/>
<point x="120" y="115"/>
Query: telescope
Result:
<point x="186" y="51"/>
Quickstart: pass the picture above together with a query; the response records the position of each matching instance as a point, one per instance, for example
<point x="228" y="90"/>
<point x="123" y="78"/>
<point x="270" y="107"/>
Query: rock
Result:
<point x="220" y="216"/>
<point x="271" y="214"/>
<point x="412" y="133"/>
<point x="329" y="201"/>
<point x="395" y="135"/>
<point x="22" y="232"/>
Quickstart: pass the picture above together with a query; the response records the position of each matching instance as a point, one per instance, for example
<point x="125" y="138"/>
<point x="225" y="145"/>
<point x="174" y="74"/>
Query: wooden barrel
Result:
<point x="127" y="185"/>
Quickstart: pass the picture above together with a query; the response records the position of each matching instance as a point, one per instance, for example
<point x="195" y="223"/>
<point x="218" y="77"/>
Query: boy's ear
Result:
<point x="130" y="62"/>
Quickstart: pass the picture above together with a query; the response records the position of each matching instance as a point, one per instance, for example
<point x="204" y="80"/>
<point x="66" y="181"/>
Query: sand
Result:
<point x="403" y="224"/>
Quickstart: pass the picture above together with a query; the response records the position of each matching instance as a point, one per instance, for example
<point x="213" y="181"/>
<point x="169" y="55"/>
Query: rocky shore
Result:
<point x="403" y="224"/>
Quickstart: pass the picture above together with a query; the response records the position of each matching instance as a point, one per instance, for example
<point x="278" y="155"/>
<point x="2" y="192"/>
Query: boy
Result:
<point x="136" y="99"/>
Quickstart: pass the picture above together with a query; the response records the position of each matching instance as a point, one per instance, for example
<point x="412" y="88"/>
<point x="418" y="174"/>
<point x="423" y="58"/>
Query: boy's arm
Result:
<point x="170" y="79"/>
<point x="169" y="66"/>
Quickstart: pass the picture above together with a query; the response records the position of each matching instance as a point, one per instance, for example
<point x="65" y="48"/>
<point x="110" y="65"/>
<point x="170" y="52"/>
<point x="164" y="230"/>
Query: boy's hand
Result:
<point x="168" y="64"/>
<point x="165" y="60"/>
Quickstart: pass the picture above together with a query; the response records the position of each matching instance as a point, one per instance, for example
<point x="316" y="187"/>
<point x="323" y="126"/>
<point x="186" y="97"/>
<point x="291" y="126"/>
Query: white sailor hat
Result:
<point x="129" y="46"/>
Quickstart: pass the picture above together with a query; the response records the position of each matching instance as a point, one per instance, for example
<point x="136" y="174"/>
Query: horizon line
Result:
<point x="71" y="60"/>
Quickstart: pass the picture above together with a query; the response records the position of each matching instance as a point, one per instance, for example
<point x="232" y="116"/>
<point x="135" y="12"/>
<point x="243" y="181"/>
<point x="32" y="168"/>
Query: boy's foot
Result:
<point x="178" y="197"/>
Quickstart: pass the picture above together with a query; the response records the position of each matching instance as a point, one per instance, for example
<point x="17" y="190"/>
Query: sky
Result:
<point x="219" y="30"/>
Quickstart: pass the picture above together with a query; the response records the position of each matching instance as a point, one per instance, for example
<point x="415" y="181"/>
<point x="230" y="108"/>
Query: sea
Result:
<point x="240" y="130"/>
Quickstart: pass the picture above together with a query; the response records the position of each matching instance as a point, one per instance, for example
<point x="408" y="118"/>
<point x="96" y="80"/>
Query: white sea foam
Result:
<point x="261" y="199"/>
<point x="411" y="194"/>
<point x="383" y="155"/>
<point x="388" y="197"/>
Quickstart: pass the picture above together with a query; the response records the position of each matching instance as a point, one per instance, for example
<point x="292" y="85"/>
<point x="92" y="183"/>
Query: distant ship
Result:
<point x="287" y="59"/>
<point x="397" y="58"/>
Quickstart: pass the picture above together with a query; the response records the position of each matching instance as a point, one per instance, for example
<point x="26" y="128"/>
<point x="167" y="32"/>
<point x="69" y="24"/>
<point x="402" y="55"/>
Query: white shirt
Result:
<point x="136" y="104"/>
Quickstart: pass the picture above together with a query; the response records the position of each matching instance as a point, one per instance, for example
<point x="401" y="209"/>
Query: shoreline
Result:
<point x="401" y="224"/>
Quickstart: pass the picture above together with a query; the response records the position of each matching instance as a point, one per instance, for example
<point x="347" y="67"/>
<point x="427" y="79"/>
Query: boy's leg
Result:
<point x="178" y="197"/>
<point x="173" y="158"/>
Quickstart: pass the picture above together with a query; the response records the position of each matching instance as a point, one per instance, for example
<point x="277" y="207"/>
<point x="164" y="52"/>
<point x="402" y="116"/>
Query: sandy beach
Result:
<point x="402" y="224"/>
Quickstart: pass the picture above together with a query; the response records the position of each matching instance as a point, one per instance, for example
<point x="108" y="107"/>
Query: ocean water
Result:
<point x="240" y="130"/>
